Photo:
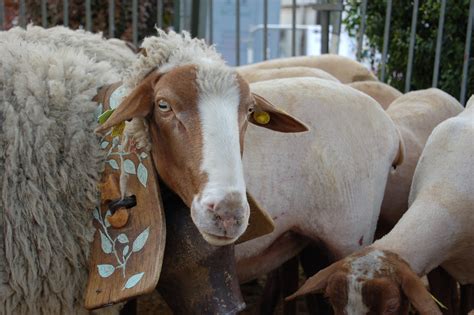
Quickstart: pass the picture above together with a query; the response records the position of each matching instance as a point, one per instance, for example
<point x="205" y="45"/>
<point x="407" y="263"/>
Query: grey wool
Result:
<point x="49" y="170"/>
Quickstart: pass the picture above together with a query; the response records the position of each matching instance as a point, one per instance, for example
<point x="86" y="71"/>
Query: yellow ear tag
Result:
<point x="117" y="130"/>
<point x="262" y="118"/>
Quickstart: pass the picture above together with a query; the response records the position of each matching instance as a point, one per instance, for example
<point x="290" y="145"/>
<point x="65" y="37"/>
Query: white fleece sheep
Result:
<point x="259" y="75"/>
<point x="50" y="163"/>
<point x="415" y="114"/>
<point x="342" y="68"/>
<point x="437" y="230"/>
<point x="383" y="93"/>
<point x="93" y="45"/>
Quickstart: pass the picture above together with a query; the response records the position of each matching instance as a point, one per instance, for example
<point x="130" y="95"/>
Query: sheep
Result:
<point x="289" y="72"/>
<point x="435" y="231"/>
<point x="415" y="114"/>
<point x="113" y="51"/>
<point x="50" y="164"/>
<point x="313" y="187"/>
<point x="342" y="68"/>
<point x="383" y="93"/>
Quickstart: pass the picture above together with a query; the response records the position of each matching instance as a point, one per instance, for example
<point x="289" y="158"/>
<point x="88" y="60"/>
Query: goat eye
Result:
<point x="251" y="110"/>
<point x="164" y="106"/>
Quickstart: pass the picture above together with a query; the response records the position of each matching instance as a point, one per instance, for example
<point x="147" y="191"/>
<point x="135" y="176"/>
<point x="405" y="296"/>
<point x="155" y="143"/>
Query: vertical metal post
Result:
<point x="265" y="29"/>
<point x="195" y="19"/>
<point x="135" y="22"/>
<point x="324" y="31"/>
<point x="111" y="10"/>
<point x="211" y="22"/>
<point x="411" y="49"/>
<point x="293" y="28"/>
<point x="66" y="12"/>
<point x="467" y="52"/>
<point x="363" y="17"/>
<point x="22" y="13"/>
<point x="2" y="15"/>
<point x="237" y="32"/>
<point x="159" y="13"/>
<point x="88" y="16"/>
<point x="386" y="39"/>
<point x="44" y="14"/>
<point x="439" y="40"/>
<point x="177" y="15"/>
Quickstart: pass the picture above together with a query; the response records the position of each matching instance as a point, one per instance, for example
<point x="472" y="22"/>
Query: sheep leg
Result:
<point x="289" y="283"/>
<point x="467" y="298"/>
<point x="314" y="258"/>
<point x="444" y="288"/>
<point x="271" y="293"/>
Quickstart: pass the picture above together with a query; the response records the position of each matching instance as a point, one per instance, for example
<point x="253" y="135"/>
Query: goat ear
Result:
<point x="415" y="291"/>
<point x="318" y="282"/>
<point x="268" y="116"/>
<point x="138" y="103"/>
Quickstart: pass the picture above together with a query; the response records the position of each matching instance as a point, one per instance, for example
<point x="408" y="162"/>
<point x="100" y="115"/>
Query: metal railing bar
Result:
<point x="439" y="40"/>
<point x="88" y="16"/>
<point x="44" y="13"/>
<point x="324" y="32"/>
<point x="411" y="49"/>
<point x="135" y="22"/>
<point x="386" y="39"/>
<point x="237" y="32"/>
<point x="159" y="13"/>
<point x="363" y="18"/>
<point x="467" y="52"/>
<point x="111" y="10"/>
<point x="265" y="29"/>
<point x="293" y="28"/>
<point x="22" y="13"/>
<point x="66" y="13"/>
<point x="211" y="22"/>
<point x="2" y="15"/>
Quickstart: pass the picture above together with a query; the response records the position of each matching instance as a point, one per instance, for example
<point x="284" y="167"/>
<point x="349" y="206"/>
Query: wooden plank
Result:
<point x="126" y="262"/>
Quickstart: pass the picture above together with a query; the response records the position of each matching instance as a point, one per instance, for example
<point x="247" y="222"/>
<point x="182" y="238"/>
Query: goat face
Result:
<point x="197" y="117"/>
<point x="371" y="282"/>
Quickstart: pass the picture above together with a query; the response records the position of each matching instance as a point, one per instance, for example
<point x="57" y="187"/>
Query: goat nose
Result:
<point x="210" y="206"/>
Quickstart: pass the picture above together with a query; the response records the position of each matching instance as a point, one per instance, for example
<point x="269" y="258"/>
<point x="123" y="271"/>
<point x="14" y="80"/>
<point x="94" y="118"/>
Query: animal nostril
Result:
<point x="210" y="206"/>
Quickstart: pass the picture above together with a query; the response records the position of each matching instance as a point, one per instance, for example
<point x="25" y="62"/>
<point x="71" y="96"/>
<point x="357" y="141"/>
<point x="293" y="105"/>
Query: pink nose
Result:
<point x="227" y="213"/>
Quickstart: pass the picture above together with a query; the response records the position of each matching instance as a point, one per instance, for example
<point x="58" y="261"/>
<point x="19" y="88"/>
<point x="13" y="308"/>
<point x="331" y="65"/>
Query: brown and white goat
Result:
<point x="196" y="110"/>
<point x="435" y="231"/>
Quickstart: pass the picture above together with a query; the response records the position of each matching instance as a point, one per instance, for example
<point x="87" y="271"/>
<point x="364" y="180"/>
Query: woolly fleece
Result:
<point x="50" y="167"/>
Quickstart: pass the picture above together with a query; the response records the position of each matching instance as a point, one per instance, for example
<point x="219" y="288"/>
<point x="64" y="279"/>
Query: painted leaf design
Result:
<point x="103" y="117"/>
<point x="113" y="164"/>
<point x="129" y="167"/>
<point x="140" y="241"/>
<point x="122" y="238"/>
<point x="142" y="174"/>
<point x="125" y="251"/>
<point x="143" y="155"/>
<point x="133" y="280"/>
<point x="105" y="270"/>
<point x="95" y="214"/>
<point x="105" y="243"/>
<point x="106" y="220"/>
<point x="115" y="141"/>
<point x="104" y="144"/>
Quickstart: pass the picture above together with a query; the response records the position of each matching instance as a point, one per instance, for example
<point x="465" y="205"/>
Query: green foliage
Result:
<point x="452" y="52"/>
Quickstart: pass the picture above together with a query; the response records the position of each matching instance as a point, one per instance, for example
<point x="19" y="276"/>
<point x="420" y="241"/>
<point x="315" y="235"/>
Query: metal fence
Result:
<point x="324" y="9"/>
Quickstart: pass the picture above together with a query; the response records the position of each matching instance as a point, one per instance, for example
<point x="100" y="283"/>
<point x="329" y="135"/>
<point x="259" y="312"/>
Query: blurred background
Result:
<point x="410" y="44"/>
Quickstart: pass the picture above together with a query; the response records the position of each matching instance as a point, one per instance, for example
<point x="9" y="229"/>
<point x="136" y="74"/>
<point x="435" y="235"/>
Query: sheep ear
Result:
<point x="415" y="291"/>
<point x="318" y="282"/>
<point x="268" y="116"/>
<point x="138" y="103"/>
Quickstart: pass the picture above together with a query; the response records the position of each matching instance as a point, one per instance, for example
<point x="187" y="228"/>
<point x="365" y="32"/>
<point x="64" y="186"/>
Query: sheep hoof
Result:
<point x="119" y="219"/>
